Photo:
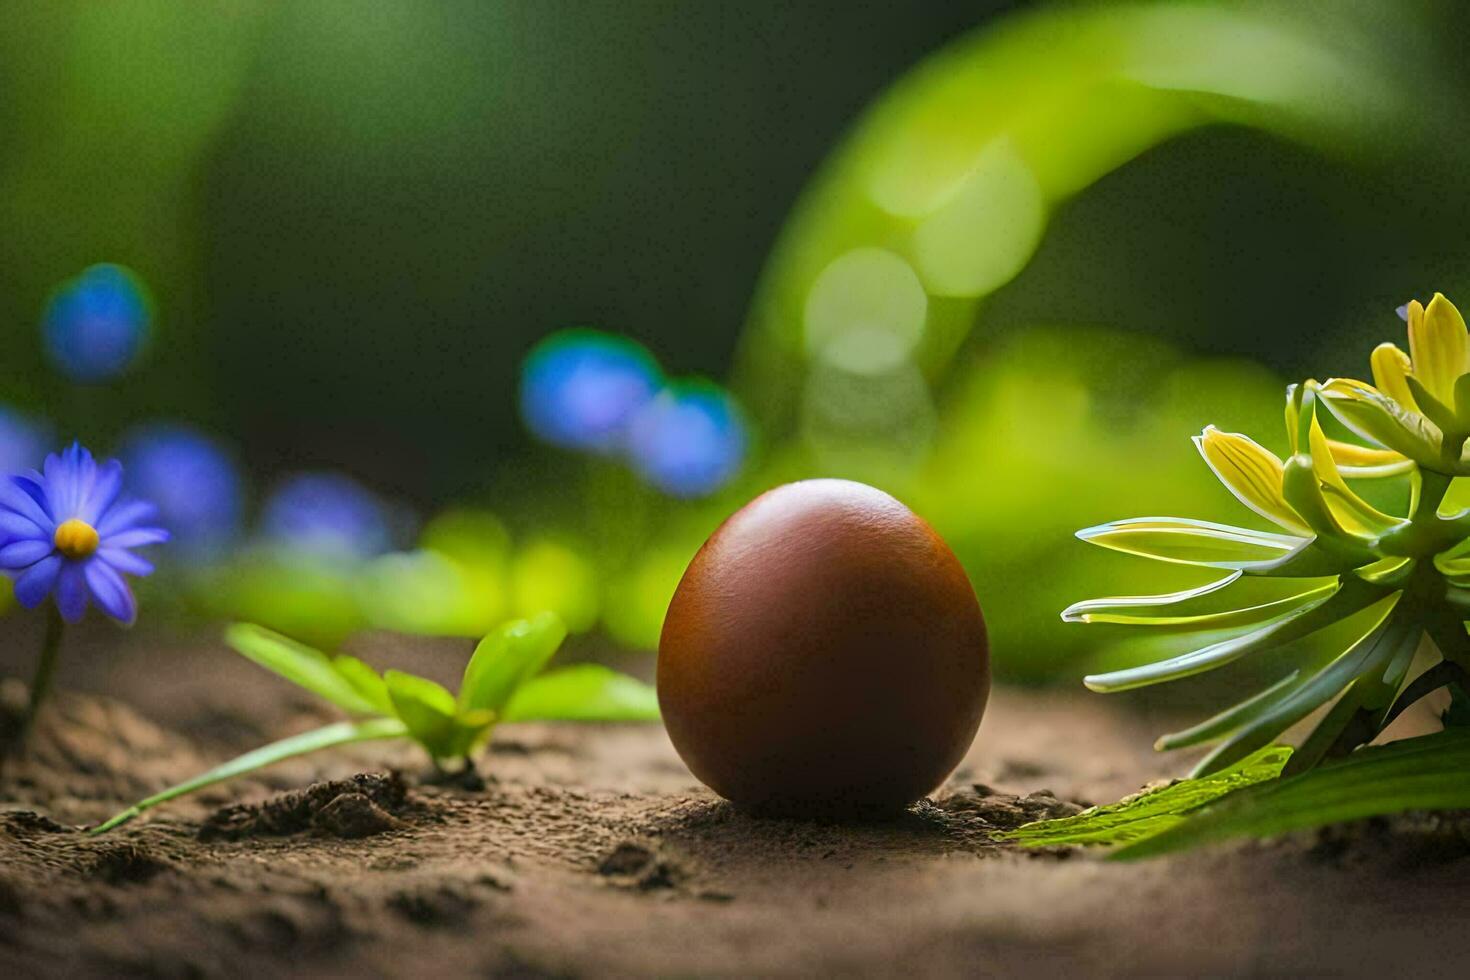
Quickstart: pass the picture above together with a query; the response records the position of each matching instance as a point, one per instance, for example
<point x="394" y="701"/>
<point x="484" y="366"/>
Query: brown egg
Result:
<point x="823" y="654"/>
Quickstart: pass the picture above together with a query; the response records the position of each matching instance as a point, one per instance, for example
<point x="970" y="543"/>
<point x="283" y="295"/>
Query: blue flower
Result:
<point x="579" y="388"/>
<point x="97" y="324"/>
<point x="689" y="441"/>
<point x="193" y="480"/>
<point x="67" y="531"/>
<point x="327" y="515"/>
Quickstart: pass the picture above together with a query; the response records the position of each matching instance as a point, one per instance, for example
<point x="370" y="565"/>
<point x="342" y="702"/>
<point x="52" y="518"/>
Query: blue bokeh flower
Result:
<point x="689" y="441"/>
<point x="194" y="481"/>
<point x="579" y="388"/>
<point x="67" y="531"/>
<point x="327" y="515"/>
<point x="23" y="441"/>
<point x="97" y="324"/>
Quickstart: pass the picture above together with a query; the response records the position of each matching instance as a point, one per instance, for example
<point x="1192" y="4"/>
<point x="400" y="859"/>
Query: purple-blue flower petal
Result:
<point x="31" y="483"/>
<point x="125" y="515"/>
<point x="125" y="561"/>
<point x="110" y="592"/>
<point x="14" y="527"/>
<point x="60" y="480"/>
<point x="35" y="583"/>
<point x="104" y="491"/>
<point x="135" y="538"/>
<point x="23" y="554"/>
<point x="71" y="592"/>
<point x="14" y="496"/>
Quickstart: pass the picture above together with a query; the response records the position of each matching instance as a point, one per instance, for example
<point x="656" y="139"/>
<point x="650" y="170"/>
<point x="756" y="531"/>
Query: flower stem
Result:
<point x="45" y="672"/>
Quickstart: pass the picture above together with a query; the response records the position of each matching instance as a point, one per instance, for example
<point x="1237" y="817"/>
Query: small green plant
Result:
<point x="503" y="681"/>
<point x="1357" y="589"/>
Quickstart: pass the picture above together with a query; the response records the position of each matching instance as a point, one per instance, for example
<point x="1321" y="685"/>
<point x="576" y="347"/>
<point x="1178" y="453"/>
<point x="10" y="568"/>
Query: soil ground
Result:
<point x="590" y="850"/>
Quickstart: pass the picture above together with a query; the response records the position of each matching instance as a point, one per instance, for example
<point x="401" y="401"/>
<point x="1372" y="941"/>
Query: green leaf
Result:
<point x="1179" y="617"/>
<point x="299" y="664"/>
<point x="1233" y="718"/>
<point x="1362" y="711"/>
<point x="340" y="733"/>
<point x="1351" y="598"/>
<point x="1390" y="572"/>
<point x="1426" y="773"/>
<point x="1372" y="652"/>
<point x="1309" y="560"/>
<point x="428" y="711"/>
<point x="507" y="658"/>
<point x="586" y="692"/>
<point x="365" y="681"/>
<point x="1190" y="542"/>
<point x="1151" y="811"/>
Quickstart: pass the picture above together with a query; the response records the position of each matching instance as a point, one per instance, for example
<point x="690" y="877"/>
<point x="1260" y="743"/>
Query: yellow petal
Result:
<point x="1365" y="462"/>
<point x="1390" y="365"/>
<point x="1354" y="514"/>
<point x="1252" y="472"/>
<point x="1377" y="418"/>
<point x="1438" y="346"/>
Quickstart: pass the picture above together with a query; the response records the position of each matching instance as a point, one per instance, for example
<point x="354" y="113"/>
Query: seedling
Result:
<point x="504" y="680"/>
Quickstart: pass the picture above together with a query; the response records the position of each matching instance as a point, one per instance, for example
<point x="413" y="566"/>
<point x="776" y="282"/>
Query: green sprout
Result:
<point x="1358" y="588"/>
<point x="503" y="681"/>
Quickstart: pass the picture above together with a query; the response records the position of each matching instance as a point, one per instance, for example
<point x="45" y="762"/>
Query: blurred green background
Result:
<point x="999" y="259"/>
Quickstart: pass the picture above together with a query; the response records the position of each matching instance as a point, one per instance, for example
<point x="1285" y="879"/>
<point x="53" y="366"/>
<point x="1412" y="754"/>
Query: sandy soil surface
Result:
<point x="592" y="851"/>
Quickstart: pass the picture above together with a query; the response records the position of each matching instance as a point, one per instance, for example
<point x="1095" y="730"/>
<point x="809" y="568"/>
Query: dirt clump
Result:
<point x="360" y="806"/>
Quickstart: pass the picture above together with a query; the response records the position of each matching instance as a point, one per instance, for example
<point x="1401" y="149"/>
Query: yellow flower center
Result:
<point x="76" y="539"/>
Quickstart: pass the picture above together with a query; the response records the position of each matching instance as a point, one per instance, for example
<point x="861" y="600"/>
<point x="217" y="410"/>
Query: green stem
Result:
<point x="45" y="673"/>
<point x="1425" y="533"/>
<point x="340" y="733"/>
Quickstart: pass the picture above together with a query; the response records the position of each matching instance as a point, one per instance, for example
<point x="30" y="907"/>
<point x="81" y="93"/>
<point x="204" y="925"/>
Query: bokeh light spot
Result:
<point x="194" y="481"/>
<point x="868" y="426"/>
<point x="546" y="575"/>
<point x="579" y="388"/>
<point x="689" y="441"/>
<point x="984" y="235"/>
<point x="866" y="311"/>
<point x="97" y="324"/>
<point x="326" y="515"/>
<point x="639" y="596"/>
<point x="418" y="592"/>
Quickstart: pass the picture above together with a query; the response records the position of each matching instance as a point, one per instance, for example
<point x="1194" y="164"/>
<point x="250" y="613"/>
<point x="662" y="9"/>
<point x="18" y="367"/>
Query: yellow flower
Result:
<point x="1425" y="380"/>
<point x="1438" y="347"/>
<point x="1417" y="400"/>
